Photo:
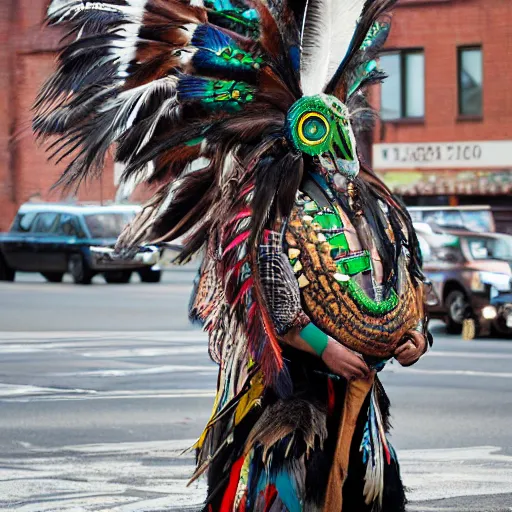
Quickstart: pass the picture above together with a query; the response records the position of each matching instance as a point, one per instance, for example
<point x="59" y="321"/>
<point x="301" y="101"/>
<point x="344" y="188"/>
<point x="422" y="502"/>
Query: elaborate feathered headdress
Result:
<point x="223" y="106"/>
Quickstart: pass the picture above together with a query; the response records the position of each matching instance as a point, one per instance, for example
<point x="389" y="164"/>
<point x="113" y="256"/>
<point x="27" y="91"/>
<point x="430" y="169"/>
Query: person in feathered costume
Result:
<point x="242" y="115"/>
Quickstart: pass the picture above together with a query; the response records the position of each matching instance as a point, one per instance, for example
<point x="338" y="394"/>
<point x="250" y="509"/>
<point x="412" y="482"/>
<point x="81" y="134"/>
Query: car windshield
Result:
<point x="477" y="220"/>
<point x="107" y="225"/>
<point x="470" y="220"/>
<point x="490" y="248"/>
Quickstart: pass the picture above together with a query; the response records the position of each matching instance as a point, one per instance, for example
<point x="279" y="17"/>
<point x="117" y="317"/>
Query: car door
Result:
<point x="16" y="248"/>
<point x="69" y="234"/>
<point x="45" y="242"/>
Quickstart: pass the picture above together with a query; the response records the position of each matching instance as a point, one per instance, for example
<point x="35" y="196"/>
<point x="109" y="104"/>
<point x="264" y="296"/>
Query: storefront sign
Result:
<point x="443" y="155"/>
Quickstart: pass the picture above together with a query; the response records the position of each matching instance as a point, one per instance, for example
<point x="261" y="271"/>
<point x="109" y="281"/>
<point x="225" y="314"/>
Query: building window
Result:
<point x="403" y="92"/>
<point x="470" y="81"/>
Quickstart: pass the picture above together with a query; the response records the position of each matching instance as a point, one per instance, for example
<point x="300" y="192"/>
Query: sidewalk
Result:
<point x="491" y="503"/>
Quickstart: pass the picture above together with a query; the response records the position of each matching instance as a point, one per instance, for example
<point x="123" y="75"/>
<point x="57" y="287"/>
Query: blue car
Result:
<point x="53" y="239"/>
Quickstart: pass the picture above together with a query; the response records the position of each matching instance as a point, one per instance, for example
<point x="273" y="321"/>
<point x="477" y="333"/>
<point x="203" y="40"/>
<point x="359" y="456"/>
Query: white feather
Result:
<point x="374" y="477"/>
<point x="123" y="50"/>
<point x="316" y="39"/>
<point x="328" y="28"/>
<point x="346" y="14"/>
<point x="127" y="49"/>
<point x="70" y="9"/>
<point x="169" y="109"/>
<point x="127" y="106"/>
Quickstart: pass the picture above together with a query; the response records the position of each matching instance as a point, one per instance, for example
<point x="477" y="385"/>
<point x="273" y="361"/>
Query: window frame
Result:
<point x="402" y="53"/>
<point x="460" y="51"/>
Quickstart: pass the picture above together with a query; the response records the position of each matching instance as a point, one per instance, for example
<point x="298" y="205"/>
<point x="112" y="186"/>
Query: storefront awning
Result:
<point x="425" y="182"/>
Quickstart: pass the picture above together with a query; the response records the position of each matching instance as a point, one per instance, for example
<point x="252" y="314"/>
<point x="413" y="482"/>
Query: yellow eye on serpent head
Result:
<point x="313" y="128"/>
<point x="319" y="126"/>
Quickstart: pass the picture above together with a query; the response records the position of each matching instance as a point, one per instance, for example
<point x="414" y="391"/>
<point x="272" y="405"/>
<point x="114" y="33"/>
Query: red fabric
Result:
<point x="243" y="504"/>
<point x="387" y="454"/>
<point x="331" y="397"/>
<point x="229" y="496"/>
<point x="270" y="496"/>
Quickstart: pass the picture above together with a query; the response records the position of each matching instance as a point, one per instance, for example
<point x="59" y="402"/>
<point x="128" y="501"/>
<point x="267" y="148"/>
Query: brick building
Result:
<point x="445" y="135"/>
<point x="27" y="53"/>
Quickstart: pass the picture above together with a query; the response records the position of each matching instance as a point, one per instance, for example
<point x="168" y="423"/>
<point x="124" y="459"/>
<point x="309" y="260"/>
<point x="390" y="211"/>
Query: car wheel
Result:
<point x="79" y="270"/>
<point x="6" y="272"/>
<point x="148" y="275"/>
<point x="118" y="277"/>
<point x="456" y="306"/>
<point x="53" y="277"/>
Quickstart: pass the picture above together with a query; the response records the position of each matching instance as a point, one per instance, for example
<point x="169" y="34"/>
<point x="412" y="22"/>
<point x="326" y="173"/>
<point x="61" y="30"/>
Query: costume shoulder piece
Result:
<point x="225" y="107"/>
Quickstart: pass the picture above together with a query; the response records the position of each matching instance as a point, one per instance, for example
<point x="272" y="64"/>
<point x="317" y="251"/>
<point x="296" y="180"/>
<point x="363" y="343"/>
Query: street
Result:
<point x="104" y="388"/>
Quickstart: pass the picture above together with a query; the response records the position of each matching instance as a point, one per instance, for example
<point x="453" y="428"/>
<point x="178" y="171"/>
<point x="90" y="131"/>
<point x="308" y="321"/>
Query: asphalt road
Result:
<point x="102" y="388"/>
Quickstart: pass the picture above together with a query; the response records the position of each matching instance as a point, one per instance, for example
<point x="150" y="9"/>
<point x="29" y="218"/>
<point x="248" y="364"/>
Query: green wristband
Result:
<point x="315" y="338"/>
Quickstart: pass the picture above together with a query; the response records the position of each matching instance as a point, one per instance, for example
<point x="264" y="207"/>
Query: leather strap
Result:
<point x="357" y="391"/>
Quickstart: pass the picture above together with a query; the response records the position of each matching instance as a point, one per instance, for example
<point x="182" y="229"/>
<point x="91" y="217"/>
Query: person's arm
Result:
<point x="292" y="324"/>
<point x="339" y="359"/>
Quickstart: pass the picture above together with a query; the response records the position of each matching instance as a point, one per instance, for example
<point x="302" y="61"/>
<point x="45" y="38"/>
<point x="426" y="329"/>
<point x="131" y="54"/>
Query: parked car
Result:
<point x="472" y="275"/>
<point x="54" y="239"/>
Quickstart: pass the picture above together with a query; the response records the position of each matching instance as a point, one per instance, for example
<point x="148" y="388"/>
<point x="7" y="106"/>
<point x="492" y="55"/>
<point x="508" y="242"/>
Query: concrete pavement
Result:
<point x="102" y="388"/>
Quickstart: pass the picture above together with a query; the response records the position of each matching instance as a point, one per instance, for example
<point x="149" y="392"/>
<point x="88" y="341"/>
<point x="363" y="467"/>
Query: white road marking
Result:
<point x="104" y="395"/>
<point x="189" y="347"/>
<point x="15" y="390"/>
<point x="146" y="352"/>
<point x="463" y="373"/>
<point x="151" y="476"/>
<point x="469" y="355"/>
<point x="153" y="370"/>
<point x="184" y="335"/>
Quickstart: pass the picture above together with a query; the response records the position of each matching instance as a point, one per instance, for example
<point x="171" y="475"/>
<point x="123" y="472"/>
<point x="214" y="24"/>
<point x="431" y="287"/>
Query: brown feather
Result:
<point x="167" y="11"/>
<point x="293" y="418"/>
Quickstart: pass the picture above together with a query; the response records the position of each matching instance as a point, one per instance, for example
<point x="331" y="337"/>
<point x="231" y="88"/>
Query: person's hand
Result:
<point x="411" y="349"/>
<point x="342" y="361"/>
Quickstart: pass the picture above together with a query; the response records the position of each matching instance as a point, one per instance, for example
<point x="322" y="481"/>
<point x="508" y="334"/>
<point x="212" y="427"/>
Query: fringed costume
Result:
<point x="243" y="116"/>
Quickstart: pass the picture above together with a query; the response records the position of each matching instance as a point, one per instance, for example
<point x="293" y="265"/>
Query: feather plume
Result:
<point x="328" y="30"/>
<point x="357" y="53"/>
<point x="297" y="418"/>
